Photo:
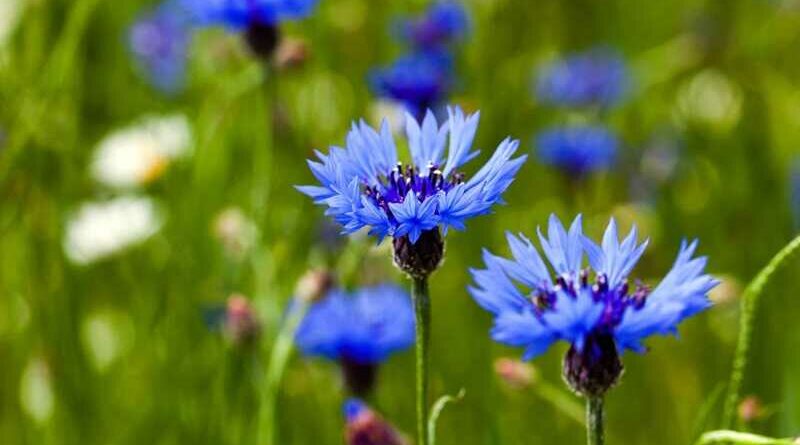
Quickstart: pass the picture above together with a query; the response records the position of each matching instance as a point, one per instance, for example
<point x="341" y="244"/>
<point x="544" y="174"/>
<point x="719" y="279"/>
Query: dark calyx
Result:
<point x="262" y="39"/>
<point x="421" y="259"/>
<point x="359" y="377"/>
<point x="594" y="370"/>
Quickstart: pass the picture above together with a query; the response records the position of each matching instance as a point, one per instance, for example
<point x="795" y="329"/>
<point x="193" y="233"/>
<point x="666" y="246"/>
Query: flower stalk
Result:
<point x="595" y="434"/>
<point x="422" y="313"/>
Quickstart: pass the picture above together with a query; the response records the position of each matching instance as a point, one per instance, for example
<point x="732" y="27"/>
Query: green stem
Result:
<point x="262" y="159"/>
<point x="750" y="298"/>
<point x="422" y="312"/>
<point x="594" y="421"/>
<point x="281" y="352"/>
<point x="735" y="437"/>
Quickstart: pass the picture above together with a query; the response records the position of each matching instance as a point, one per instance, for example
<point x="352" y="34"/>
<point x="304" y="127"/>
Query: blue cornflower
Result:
<point x="577" y="149"/>
<point x="365" y="327"/>
<point x="365" y="185"/>
<point x="444" y="22"/>
<point x="159" y="41"/>
<point x="598" y="319"/>
<point x="240" y="14"/>
<point x="419" y="80"/>
<point x="595" y="77"/>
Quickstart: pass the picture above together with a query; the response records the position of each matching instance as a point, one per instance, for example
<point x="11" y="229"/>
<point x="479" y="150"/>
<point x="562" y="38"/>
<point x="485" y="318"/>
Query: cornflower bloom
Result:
<point x="443" y="23"/>
<point x="358" y="331"/>
<point x="595" y="77"/>
<point x="577" y="150"/>
<point x="159" y="41"/>
<point x="418" y="80"/>
<point x="257" y="19"/>
<point x="598" y="311"/>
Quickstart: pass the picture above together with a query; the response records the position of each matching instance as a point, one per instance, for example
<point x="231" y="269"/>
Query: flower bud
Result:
<point x="422" y="258"/>
<point x="596" y="368"/>
<point x="235" y="231"/>
<point x="515" y="373"/>
<point x="365" y="427"/>
<point x="291" y="53"/>
<point x="262" y="39"/>
<point x="241" y="324"/>
<point x="750" y="409"/>
<point x="314" y="285"/>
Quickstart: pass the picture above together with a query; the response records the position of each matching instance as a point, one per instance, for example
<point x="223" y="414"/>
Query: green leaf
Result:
<point x="735" y="437"/>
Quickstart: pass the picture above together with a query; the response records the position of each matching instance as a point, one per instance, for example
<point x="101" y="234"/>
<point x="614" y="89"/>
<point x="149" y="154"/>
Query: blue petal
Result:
<point x="573" y="318"/>
<point x="426" y="143"/>
<point x="414" y="218"/>
<point x="682" y="293"/>
<point x="494" y="291"/>
<point x="522" y="329"/>
<point x="374" y="217"/>
<point x="614" y="259"/>
<point x="462" y="134"/>
<point x="563" y="250"/>
<point x="529" y="268"/>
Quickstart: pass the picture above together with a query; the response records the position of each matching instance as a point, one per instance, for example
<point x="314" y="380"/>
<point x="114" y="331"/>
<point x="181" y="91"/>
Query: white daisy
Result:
<point x="100" y="229"/>
<point x="140" y="153"/>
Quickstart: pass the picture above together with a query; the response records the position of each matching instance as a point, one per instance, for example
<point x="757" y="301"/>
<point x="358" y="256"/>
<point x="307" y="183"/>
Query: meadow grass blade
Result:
<point x="750" y="298"/>
<point x="437" y="409"/>
<point x="278" y="359"/>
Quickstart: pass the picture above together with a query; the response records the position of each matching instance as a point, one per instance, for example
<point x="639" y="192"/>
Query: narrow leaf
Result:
<point x="437" y="409"/>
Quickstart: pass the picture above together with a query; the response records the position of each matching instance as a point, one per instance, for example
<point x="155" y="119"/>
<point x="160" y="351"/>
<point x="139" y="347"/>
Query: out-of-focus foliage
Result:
<point x="123" y="346"/>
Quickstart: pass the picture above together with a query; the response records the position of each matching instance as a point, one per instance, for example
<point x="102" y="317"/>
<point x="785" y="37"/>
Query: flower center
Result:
<point x="616" y="300"/>
<point x="403" y="178"/>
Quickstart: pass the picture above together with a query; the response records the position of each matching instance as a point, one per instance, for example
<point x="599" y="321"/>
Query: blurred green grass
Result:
<point x="66" y="80"/>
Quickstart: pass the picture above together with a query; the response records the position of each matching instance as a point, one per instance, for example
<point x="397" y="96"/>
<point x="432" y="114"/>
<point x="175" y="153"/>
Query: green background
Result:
<point x="715" y="80"/>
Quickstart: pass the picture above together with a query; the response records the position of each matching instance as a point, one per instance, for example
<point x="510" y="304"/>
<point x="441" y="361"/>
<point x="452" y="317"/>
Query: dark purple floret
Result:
<point x="404" y="178"/>
<point x="615" y="300"/>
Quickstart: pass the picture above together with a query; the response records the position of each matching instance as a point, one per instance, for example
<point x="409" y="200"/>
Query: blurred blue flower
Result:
<point x="365" y="327"/>
<point x="159" y="41"/>
<point x="595" y="77"/>
<point x="239" y="14"/>
<point x="532" y="309"/>
<point x="794" y="191"/>
<point x="419" y="80"/>
<point x="577" y="149"/>
<point x="444" y="22"/>
<point x="365" y="185"/>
